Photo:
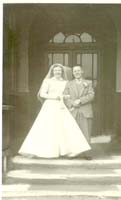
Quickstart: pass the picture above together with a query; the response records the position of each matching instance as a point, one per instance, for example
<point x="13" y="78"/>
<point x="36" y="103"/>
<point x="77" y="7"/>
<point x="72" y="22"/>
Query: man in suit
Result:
<point x="79" y="95"/>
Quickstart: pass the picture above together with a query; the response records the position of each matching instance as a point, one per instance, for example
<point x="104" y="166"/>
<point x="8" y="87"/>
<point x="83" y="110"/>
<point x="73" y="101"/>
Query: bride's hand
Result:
<point x="66" y="96"/>
<point x="58" y="98"/>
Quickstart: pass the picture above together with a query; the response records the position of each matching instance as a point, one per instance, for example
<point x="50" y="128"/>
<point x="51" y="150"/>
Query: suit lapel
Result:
<point x="81" y="91"/>
<point x="82" y="88"/>
<point x="75" y="88"/>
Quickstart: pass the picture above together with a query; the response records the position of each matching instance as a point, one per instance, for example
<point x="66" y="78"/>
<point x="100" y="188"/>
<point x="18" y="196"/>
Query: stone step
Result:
<point x="61" y="192"/>
<point x="92" y="176"/>
<point x="108" y="162"/>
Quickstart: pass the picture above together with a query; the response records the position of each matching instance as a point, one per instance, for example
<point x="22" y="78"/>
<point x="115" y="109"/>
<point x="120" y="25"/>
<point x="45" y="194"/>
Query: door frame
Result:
<point x="72" y="49"/>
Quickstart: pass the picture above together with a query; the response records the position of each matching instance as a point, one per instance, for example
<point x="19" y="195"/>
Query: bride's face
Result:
<point x="57" y="72"/>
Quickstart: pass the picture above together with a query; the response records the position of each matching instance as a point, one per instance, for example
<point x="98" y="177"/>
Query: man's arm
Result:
<point x="67" y="98"/>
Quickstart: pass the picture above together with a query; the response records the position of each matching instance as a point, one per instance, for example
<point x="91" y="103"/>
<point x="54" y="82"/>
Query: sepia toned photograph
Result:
<point x="61" y="112"/>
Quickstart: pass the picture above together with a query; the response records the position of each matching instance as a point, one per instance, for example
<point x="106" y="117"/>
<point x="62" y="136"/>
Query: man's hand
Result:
<point x="76" y="103"/>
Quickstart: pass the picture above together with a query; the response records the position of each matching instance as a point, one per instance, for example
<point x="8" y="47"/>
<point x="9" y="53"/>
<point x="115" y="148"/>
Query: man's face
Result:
<point x="77" y="72"/>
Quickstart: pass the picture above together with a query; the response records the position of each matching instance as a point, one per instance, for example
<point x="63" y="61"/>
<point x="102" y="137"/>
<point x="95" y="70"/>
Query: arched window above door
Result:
<point x="73" y="38"/>
<point x="75" y="49"/>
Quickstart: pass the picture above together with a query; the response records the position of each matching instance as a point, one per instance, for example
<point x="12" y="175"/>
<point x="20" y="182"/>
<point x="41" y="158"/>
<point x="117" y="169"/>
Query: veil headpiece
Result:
<point x="50" y="72"/>
<point x="50" y="75"/>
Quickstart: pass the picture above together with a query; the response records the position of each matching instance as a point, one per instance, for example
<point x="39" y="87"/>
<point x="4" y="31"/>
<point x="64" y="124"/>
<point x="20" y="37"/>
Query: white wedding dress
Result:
<point x="55" y="132"/>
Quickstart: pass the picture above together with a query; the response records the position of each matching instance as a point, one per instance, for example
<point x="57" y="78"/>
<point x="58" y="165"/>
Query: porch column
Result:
<point x="22" y="112"/>
<point x="9" y="84"/>
<point x="23" y="68"/>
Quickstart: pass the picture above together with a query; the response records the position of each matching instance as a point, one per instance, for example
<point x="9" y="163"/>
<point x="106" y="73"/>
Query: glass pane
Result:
<point x="59" y="38"/>
<point x="95" y="66"/>
<point x="86" y="37"/>
<point x="72" y="39"/>
<point x="66" y="60"/>
<point x="87" y="65"/>
<point x="78" y="61"/>
<point x="49" y="59"/>
<point x="58" y="58"/>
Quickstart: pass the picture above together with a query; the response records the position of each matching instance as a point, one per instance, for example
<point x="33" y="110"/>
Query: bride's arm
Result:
<point x="44" y="91"/>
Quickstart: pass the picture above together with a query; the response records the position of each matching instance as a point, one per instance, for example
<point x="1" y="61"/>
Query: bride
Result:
<point x="55" y="132"/>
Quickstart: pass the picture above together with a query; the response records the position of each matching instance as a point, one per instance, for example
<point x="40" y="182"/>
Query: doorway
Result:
<point x="84" y="52"/>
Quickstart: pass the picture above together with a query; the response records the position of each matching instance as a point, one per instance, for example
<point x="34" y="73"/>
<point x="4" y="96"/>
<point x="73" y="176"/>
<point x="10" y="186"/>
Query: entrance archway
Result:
<point x="70" y="20"/>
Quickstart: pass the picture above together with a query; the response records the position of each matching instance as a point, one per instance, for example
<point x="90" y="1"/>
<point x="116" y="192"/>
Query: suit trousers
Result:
<point x="85" y="124"/>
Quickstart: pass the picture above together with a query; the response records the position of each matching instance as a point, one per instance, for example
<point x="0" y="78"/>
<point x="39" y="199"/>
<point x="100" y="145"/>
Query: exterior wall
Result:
<point x="9" y="77"/>
<point x="115" y="14"/>
<point x="16" y="80"/>
<point x="107" y="88"/>
<point x="118" y="64"/>
<point x="117" y="113"/>
<point x="117" y="117"/>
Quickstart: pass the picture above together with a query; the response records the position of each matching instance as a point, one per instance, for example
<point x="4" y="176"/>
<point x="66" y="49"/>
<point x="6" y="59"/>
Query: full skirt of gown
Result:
<point x="54" y="133"/>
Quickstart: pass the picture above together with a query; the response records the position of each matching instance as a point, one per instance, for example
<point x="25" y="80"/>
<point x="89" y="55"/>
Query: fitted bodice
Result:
<point x="56" y="87"/>
<point x="53" y="87"/>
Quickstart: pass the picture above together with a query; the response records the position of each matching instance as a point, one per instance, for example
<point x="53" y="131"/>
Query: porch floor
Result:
<point x="78" y="179"/>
